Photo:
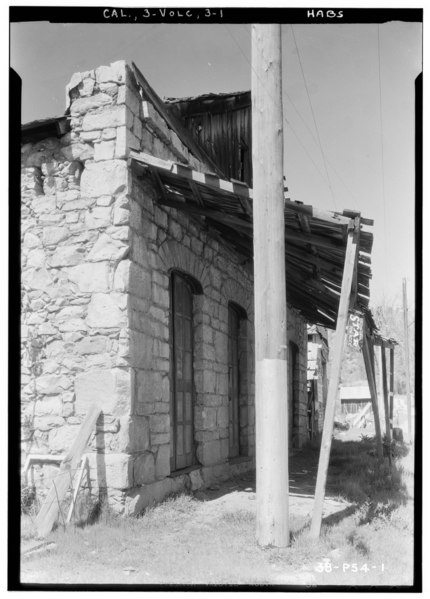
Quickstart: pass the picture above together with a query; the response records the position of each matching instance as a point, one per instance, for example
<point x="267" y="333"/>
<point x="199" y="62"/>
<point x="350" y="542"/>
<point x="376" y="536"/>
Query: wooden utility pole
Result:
<point x="408" y="383"/>
<point x="391" y="386"/>
<point x="339" y="340"/>
<point x="271" y="399"/>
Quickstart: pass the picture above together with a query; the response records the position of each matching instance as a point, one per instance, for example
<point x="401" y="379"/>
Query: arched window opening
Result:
<point x="182" y="399"/>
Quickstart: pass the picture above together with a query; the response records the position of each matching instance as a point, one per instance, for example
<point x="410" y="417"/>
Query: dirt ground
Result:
<point x="219" y="505"/>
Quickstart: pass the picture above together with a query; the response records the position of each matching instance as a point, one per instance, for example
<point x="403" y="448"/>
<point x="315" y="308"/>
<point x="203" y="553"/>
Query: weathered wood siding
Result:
<point x="221" y="124"/>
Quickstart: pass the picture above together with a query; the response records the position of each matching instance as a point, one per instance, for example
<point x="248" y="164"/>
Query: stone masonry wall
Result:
<point x="97" y="253"/>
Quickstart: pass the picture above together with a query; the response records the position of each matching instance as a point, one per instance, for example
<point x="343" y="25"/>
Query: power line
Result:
<point x="285" y="119"/>
<point x="313" y="115"/>
<point x="382" y="149"/>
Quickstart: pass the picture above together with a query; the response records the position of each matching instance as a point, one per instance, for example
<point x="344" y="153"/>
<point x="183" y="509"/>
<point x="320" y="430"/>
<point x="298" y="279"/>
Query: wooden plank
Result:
<point x="173" y="122"/>
<point x="386" y="407"/>
<point x="380" y="380"/>
<point x="215" y="215"/>
<point x="49" y="511"/>
<point x="339" y="341"/>
<point x="235" y="187"/>
<point x="354" y="285"/>
<point x="370" y="373"/>
<point x="82" y="469"/>
<point x="356" y="420"/>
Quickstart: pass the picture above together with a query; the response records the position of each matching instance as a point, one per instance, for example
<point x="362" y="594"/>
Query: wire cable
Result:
<point x="313" y="115"/>
<point x="317" y="168"/>
<point x="284" y="117"/>
<point x="381" y="123"/>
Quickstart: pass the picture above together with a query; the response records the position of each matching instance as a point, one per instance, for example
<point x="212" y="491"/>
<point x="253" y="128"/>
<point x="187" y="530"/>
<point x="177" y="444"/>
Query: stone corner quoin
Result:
<point x="97" y="256"/>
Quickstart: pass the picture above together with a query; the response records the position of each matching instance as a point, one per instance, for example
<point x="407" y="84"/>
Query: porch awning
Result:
<point x="315" y="240"/>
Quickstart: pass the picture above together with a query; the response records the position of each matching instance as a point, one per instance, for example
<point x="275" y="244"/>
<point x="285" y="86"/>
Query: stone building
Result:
<point x="318" y="354"/>
<point x="134" y="301"/>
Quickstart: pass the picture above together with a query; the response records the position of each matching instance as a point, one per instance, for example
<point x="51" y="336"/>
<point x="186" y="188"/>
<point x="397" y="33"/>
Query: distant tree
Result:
<point x="389" y="320"/>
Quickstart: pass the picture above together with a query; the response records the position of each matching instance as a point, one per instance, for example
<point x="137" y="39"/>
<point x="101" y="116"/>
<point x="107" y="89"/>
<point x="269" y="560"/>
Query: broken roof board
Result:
<point x="315" y="240"/>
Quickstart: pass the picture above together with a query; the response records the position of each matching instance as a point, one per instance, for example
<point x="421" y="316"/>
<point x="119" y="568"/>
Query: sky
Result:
<point x="348" y="96"/>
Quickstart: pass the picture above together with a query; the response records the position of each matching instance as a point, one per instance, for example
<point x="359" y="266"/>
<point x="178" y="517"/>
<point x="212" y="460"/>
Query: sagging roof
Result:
<point x="315" y="240"/>
<point x="43" y="128"/>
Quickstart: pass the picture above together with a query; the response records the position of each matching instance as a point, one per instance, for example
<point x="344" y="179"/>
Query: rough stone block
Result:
<point x="107" y="310"/>
<point x="43" y="204"/>
<point x="107" y="248"/>
<point x="36" y="258"/>
<point x="222" y="417"/>
<point x="113" y="117"/>
<point x="66" y="256"/>
<point x="73" y="324"/>
<point x="90" y="277"/>
<point x="85" y="104"/>
<point x="143" y="469"/>
<point x="220" y="342"/>
<point x="125" y="141"/>
<point x="38" y="278"/>
<point x="52" y="384"/>
<point x="31" y="240"/>
<point x="159" y="423"/>
<point x="209" y="453"/>
<point x="92" y="345"/>
<point x="113" y="470"/>
<point x="196" y="480"/>
<point x="61" y="439"/>
<point x="121" y="211"/>
<point x="121" y="280"/>
<point x="98" y="217"/>
<point x="78" y="151"/>
<point x="141" y="350"/>
<point x="162" y="464"/>
<point x="49" y="405"/>
<point x="104" y="178"/>
<point x="142" y="497"/>
<point x="134" y="434"/>
<point x="103" y="387"/>
<point x="104" y="150"/>
<point x="46" y="423"/>
<point x="205" y="418"/>
<point x="53" y="235"/>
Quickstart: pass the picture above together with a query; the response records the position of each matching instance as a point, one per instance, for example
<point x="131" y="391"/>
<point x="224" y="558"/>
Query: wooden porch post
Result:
<point x="386" y="407"/>
<point x="271" y="396"/>
<point x="342" y="318"/>
<point x="370" y="372"/>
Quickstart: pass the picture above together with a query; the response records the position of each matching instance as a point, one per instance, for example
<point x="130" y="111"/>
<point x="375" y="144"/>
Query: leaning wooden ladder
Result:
<point x="48" y="513"/>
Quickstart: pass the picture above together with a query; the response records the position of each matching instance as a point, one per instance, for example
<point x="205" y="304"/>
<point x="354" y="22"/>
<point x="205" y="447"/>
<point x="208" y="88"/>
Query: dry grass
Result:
<point x="187" y="541"/>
